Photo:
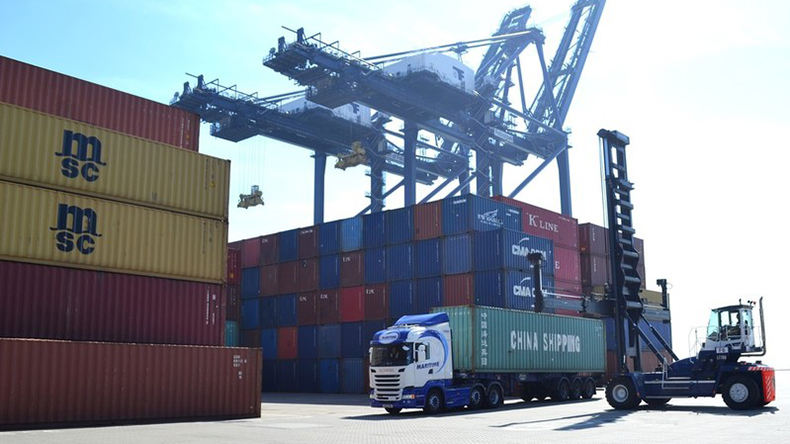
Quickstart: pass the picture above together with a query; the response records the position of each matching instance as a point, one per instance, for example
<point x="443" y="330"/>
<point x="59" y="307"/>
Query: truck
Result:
<point x="473" y="357"/>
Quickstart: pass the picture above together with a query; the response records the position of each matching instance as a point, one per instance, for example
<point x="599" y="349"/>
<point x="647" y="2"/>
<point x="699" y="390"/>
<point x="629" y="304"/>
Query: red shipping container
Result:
<point x="52" y="383"/>
<point x="308" y="242"/>
<point x="352" y="304"/>
<point x="286" y="342"/>
<point x="288" y="277"/>
<point x="459" y="289"/>
<point x="250" y="252"/>
<point x="595" y="270"/>
<point x="352" y="271"/>
<point x="593" y="239"/>
<point x="50" y="92"/>
<point x="233" y="298"/>
<point x="567" y="265"/>
<point x="376" y="302"/>
<point x="568" y="288"/>
<point x="269" y="283"/>
<point x="307" y="308"/>
<point x="328" y="307"/>
<point x="428" y="220"/>
<point x="269" y="253"/>
<point x="250" y="338"/>
<point x="561" y="229"/>
<point x="234" y="266"/>
<point x="236" y="245"/>
<point x="38" y="301"/>
<point x="307" y="275"/>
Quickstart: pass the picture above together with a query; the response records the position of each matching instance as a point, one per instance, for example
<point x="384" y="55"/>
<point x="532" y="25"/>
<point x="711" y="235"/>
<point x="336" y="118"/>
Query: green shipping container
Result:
<point x="231" y="334"/>
<point x="496" y="340"/>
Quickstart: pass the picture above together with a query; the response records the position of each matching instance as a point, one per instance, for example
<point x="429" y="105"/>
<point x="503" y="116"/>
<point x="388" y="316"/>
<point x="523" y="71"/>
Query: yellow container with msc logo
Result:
<point x="67" y="230"/>
<point x="49" y="151"/>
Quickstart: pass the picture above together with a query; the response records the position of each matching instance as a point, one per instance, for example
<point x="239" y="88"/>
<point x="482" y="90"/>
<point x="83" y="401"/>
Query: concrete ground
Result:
<point x="301" y="418"/>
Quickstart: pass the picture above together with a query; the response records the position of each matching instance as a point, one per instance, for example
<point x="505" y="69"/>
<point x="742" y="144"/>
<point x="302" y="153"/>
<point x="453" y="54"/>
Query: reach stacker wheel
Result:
<point x="741" y="393"/>
<point x="621" y="394"/>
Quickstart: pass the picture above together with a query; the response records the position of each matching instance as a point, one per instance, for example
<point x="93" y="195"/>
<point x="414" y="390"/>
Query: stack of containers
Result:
<point x="115" y="229"/>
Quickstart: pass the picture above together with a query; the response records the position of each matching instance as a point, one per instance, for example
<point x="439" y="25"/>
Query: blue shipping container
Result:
<point x="269" y="343"/>
<point x="375" y="265"/>
<point x="287" y="376"/>
<point x="353" y="376"/>
<point x="307" y="342"/>
<point x="457" y="254"/>
<point x="269" y="376"/>
<point x="268" y="312"/>
<point x="351" y="234"/>
<point x="401" y="298"/>
<point x="400" y="225"/>
<point x="428" y="258"/>
<point x="329" y="238"/>
<point x="374" y="232"/>
<point x="369" y="328"/>
<point x="329" y="272"/>
<point x="307" y="369"/>
<point x="329" y="341"/>
<point x="400" y="262"/>
<point x="504" y="248"/>
<point x="250" y="282"/>
<point x="506" y="289"/>
<point x="231" y="334"/>
<point x="288" y="243"/>
<point x="250" y="314"/>
<point x="353" y="343"/>
<point x="329" y="375"/>
<point x="475" y="213"/>
<point x="286" y="310"/>
<point x="428" y="294"/>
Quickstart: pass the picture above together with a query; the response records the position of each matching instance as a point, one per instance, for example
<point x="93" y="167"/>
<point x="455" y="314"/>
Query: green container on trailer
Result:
<point x="495" y="340"/>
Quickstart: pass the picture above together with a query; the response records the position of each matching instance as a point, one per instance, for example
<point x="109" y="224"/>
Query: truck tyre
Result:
<point x="477" y="398"/>
<point x="588" y="390"/>
<point x="434" y="402"/>
<point x="392" y="410"/>
<point x="540" y="392"/>
<point x="621" y="394"/>
<point x="576" y="388"/>
<point x="657" y="402"/>
<point x="741" y="393"/>
<point x="562" y="392"/>
<point x="494" y="398"/>
<point x="526" y="393"/>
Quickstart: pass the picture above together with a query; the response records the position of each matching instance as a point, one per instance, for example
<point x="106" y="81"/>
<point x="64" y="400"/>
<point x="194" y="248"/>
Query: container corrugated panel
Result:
<point x="287" y="342"/>
<point x="269" y="251"/>
<point x="307" y="275"/>
<point x="401" y="298"/>
<point x="476" y="213"/>
<point x="459" y="289"/>
<point x="250" y="314"/>
<point x="38" y="301"/>
<point x="400" y="225"/>
<point x="54" y="93"/>
<point x="507" y="289"/>
<point x="595" y="270"/>
<point x="509" y="249"/>
<point x="307" y="342"/>
<point x="287" y="377"/>
<point x="250" y="252"/>
<point x="308" y="242"/>
<point x="353" y="375"/>
<point x="369" y="328"/>
<point x="328" y="307"/>
<point x="351" y="237"/>
<point x="511" y="341"/>
<point x="352" y="304"/>
<point x="41" y="150"/>
<point x="270" y="370"/>
<point x="568" y="288"/>
<point x="428" y="220"/>
<point x="374" y="232"/>
<point x="286" y="310"/>
<point x="308" y="375"/>
<point x="567" y="265"/>
<point x="288" y="245"/>
<point x="231" y="334"/>
<point x="428" y="294"/>
<point x="250" y="338"/>
<point x="269" y="343"/>
<point x="329" y="375"/>
<point x="51" y="383"/>
<point x="375" y="265"/>
<point x="329" y="272"/>
<point x="593" y="239"/>
<point x="269" y="278"/>
<point x="400" y="262"/>
<point x="288" y="277"/>
<point x="62" y="229"/>
<point x="250" y="282"/>
<point x="652" y="297"/>
<point x="352" y="269"/>
<point x="329" y="341"/>
<point x="428" y="258"/>
<point x="233" y="300"/>
<point x="268" y="312"/>
<point x="457" y="254"/>
<point x="353" y="342"/>
<point x="233" y="274"/>
<point x="307" y="308"/>
<point x="561" y="229"/>
<point x="329" y="238"/>
<point x="376" y="301"/>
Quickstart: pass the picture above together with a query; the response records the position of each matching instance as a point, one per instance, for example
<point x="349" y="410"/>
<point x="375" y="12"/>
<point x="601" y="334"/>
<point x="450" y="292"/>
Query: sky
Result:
<point x="700" y="88"/>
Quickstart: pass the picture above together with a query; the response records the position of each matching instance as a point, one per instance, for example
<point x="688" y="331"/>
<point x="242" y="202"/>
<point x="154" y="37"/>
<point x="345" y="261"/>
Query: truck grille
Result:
<point x="386" y="387"/>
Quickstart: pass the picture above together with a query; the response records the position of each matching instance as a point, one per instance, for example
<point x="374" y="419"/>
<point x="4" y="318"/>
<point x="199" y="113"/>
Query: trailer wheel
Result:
<point x="434" y="402"/>
<point x="588" y="390"/>
<point x="494" y="398"/>
<point x="621" y="394"/>
<point x="526" y="393"/>
<point x="657" y="402"/>
<point x="540" y="392"/>
<point x="392" y="410"/>
<point x="562" y="392"/>
<point x="476" y="398"/>
<point x="576" y="388"/>
<point x="741" y="393"/>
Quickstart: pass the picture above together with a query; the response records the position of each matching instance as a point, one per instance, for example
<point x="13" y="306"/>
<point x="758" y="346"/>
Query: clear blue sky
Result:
<point x="699" y="86"/>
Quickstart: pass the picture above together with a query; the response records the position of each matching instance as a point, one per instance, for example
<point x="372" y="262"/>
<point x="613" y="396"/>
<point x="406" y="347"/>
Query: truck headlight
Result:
<point x="408" y="396"/>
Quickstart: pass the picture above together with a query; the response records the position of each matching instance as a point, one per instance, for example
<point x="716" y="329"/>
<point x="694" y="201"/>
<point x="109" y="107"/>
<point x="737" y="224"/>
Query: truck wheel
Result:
<point x="563" y="390"/>
<point x="434" y="402"/>
<point x="476" y="398"/>
<point x="540" y="392"/>
<point x="392" y="410"/>
<point x="741" y="393"/>
<point x="526" y="393"/>
<point x="494" y="398"/>
<point x="657" y="402"/>
<point x="621" y="394"/>
<point x="576" y="388"/>
<point x="588" y="390"/>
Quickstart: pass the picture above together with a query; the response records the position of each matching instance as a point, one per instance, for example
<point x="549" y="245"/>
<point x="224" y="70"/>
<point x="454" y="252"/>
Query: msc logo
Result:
<point x="81" y="156"/>
<point x="76" y="228"/>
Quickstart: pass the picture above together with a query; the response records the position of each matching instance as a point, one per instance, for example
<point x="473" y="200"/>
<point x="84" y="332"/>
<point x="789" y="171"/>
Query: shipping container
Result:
<point x="508" y="249"/>
<point x="233" y="300"/>
<point x="352" y="304"/>
<point x="567" y="265"/>
<point x="428" y="220"/>
<point x="231" y="334"/>
<point x="351" y="237"/>
<point x="476" y="213"/>
<point x="329" y="272"/>
<point x="374" y="230"/>
<point x="48" y="151"/>
<point x="62" y="229"/>
<point x="288" y="277"/>
<point x="308" y="375"/>
<point x="595" y="270"/>
<point x="593" y="239"/>
<point x="233" y="274"/>
<point x="307" y="342"/>
<point x="329" y="375"/>
<point x="428" y="293"/>
<point x="428" y="258"/>
<point x="401" y="298"/>
<point x="352" y="271"/>
<point x="269" y="252"/>
<point x="250" y="314"/>
<point x="375" y="265"/>
<point x="568" y="288"/>
<point x="250" y="283"/>
<point x="353" y="376"/>
<point x="329" y="238"/>
<point x="270" y="370"/>
<point x="400" y="262"/>
<point x="287" y="342"/>
<point x="57" y="94"/>
<point x="51" y="383"/>
<point x="250" y="252"/>
<point x="269" y="343"/>
<point x="287" y="376"/>
<point x="329" y="341"/>
<point x="457" y="254"/>
<point x="561" y="229"/>
<point x="269" y="279"/>
<point x="38" y="301"/>
<point x="483" y="341"/>
<point x="507" y="289"/>
<point x="307" y="275"/>
<point x="400" y="225"/>
<point x="286" y="310"/>
<point x="328" y="307"/>
<point x="459" y="289"/>
<point x="250" y="338"/>
<point x="353" y="342"/>
<point x="369" y="328"/>
<point x="376" y="301"/>
<point x="268" y="312"/>
<point x="307" y="308"/>
<point x="308" y="242"/>
<point x="288" y="245"/>
<point x="652" y="297"/>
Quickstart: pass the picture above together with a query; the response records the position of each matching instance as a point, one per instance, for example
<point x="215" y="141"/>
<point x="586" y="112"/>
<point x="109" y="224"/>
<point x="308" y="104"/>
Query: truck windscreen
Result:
<point x="395" y="355"/>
